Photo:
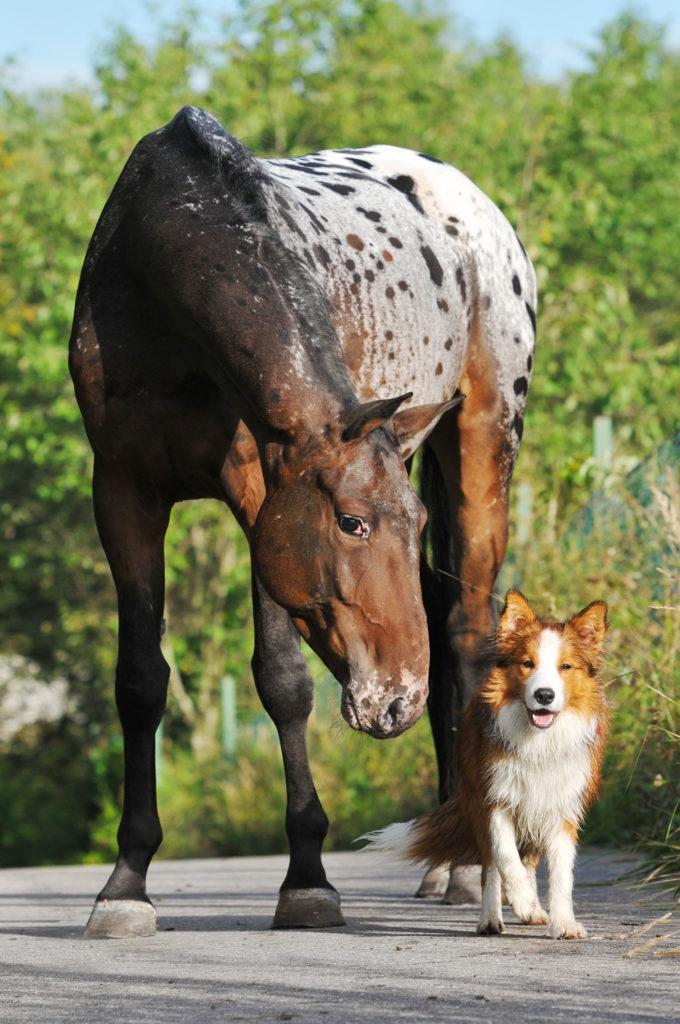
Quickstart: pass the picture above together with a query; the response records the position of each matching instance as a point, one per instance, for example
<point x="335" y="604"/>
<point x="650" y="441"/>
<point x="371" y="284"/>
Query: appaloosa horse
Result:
<point x="251" y="331"/>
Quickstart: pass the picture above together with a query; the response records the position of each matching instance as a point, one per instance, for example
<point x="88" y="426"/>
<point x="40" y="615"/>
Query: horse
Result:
<point x="283" y="335"/>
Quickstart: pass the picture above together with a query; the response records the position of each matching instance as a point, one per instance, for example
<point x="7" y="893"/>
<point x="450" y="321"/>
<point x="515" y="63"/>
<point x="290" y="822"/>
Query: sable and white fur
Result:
<point x="530" y="751"/>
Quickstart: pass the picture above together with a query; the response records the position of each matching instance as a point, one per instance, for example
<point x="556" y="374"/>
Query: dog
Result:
<point x="529" y="753"/>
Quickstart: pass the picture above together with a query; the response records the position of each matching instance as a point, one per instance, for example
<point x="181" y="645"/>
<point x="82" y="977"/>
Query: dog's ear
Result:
<point x="590" y="625"/>
<point x="517" y="614"/>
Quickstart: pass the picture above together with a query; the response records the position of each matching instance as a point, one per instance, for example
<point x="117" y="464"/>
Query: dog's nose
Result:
<point x="544" y="695"/>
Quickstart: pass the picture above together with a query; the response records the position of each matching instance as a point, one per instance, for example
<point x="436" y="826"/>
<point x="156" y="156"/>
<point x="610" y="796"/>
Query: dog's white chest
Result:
<point x="542" y="779"/>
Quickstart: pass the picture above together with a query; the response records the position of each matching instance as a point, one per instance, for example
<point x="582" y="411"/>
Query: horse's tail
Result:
<point x="440" y="593"/>
<point x="440" y="837"/>
<point x="437" y="543"/>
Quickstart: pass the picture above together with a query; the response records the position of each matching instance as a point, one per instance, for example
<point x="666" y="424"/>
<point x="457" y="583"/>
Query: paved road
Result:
<point x="215" y="958"/>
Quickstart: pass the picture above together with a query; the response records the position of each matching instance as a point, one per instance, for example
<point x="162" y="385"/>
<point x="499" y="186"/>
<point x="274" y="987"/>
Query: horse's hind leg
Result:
<point x="475" y="447"/>
<point x="286" y="689"/>
<point x="462" y="884"/>
<point x="476" y="458"/>
<point x="132" y="521"/>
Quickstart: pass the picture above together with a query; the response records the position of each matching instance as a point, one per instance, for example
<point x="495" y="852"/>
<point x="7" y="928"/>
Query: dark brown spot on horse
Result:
<point x="433" y="265"/>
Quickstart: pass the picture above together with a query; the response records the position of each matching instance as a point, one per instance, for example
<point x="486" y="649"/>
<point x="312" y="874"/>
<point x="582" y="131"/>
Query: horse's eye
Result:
<point x="352" y="524"/>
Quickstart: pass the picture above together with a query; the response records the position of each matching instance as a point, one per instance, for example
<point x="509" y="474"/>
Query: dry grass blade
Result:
<point x="651" y="943"/>
<point x="636" y="933"/>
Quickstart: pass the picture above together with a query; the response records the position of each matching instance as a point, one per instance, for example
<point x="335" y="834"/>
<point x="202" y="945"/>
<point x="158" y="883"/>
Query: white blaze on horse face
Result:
<point x="546" y="676"/>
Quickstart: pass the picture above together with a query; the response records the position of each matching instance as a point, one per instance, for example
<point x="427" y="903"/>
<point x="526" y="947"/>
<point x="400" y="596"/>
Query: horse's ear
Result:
<point x="408" y="423"/>
<point x="371" y="415"/>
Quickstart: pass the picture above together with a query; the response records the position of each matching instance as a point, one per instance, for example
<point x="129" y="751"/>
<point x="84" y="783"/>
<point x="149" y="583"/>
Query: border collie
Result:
<point x="530" y="749"/>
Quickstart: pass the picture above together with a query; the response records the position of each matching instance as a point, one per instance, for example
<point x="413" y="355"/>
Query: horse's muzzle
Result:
<point x="389" y="712"/>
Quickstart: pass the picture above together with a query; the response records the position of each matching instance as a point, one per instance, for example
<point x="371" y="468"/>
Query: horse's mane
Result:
<point x="247" y="181"/>
<point x="241" y="172"/>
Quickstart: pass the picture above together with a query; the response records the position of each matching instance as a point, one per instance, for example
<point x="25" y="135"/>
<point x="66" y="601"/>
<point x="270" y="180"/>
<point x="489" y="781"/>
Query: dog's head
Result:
<point x="551" y="667"/>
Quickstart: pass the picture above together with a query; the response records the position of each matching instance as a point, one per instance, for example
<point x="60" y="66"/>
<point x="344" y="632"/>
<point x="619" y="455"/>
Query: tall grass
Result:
<point x="662" y="845"/>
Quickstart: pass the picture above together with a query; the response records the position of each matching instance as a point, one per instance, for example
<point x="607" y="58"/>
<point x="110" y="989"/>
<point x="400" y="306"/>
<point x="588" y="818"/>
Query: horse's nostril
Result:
<point x="544" y="695"/>
<point x="395" y="711"/>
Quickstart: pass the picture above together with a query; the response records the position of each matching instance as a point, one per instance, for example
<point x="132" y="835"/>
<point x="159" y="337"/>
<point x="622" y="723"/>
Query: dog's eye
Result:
<point x="565" y="667"/>
<point x="528" y="663"/>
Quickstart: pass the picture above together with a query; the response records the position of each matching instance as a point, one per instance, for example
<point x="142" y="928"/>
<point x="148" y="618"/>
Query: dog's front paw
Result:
<point x="525" y="905"/>
<point x="560" y="929"/>
<point x="490" y="926"/>
<point x="538" y="915"/>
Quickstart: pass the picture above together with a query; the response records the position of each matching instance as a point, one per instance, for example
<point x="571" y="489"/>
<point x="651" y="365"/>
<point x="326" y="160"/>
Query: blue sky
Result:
<point x="56" y="40"/>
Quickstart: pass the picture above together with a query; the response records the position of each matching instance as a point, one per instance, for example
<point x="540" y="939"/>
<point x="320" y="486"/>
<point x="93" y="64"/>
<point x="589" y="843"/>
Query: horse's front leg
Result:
<point x="132" y="524"/>
<point x="286" y="689"/>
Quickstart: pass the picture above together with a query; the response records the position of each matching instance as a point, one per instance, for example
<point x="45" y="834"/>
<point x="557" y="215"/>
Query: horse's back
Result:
<point x="422" y="271"/>
<point x="417" y="261"/>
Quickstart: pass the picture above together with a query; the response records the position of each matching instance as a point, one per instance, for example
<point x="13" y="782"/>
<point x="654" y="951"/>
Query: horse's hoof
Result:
<point x="308" y="908"/>
<point x="434" y="883"/>
<point x="121" y="919"/>
<point x="465" y="886"/>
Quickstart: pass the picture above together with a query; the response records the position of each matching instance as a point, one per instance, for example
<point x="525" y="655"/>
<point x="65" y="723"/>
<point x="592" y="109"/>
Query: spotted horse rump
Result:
<point x="420" y="266"/>
<point x="282" y="335"/>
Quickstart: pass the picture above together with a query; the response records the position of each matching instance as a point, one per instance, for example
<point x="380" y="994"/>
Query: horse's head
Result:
<point x="337" y="544"/>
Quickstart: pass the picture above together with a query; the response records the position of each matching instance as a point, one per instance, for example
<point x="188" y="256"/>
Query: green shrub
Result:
<point x="46" y="798"/>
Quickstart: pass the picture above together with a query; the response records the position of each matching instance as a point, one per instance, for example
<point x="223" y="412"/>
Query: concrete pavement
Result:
<point x="215" y="958"/>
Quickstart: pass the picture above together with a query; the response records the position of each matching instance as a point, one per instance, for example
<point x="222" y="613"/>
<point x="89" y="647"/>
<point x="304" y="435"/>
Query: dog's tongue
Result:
<point x="543" y="719"/>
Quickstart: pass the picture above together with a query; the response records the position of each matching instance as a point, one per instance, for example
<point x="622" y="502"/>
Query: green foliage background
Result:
<point x="586" y="169"/>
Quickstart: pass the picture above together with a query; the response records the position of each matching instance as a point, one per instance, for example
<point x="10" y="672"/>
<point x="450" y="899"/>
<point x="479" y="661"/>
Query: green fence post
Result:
<point x="524" y="511"/>
<point x="229" y="721"/>
<point x="603" y="441"/>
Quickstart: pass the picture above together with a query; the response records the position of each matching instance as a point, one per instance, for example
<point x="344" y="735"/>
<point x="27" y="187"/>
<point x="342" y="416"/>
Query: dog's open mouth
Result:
<point x="542" y="719"/>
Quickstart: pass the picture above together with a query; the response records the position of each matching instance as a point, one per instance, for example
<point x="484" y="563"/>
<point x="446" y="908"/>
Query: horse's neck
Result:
<point x="287" y="353"/>
<point x="287" y="391"/>
<point x="262" y="331"/>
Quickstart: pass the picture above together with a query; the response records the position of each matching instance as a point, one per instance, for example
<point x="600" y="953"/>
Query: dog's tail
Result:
<point x="440" y="837"/>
